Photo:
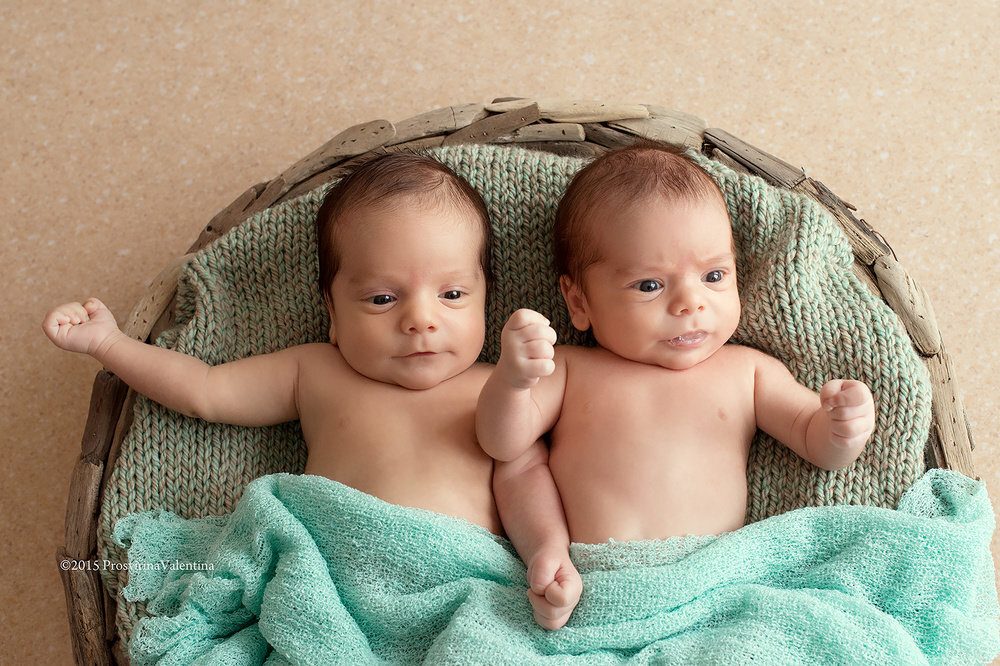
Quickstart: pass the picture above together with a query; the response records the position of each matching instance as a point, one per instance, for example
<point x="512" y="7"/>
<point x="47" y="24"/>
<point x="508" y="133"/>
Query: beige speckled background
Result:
<point x="127" y="125"/>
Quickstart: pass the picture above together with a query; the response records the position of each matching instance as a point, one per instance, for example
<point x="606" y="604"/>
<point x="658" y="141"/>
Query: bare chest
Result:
<point x="614" y="403"/>
<point x="392" y="442"/>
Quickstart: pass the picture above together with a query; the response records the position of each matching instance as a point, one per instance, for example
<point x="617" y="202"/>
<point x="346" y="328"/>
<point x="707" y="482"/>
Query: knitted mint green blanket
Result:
<point x="307" y="570"/>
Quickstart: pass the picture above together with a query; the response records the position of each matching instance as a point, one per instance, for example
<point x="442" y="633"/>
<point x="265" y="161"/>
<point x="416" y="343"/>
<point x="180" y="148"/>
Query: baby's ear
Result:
<point x="576" y="303"/>
<point x="333" y="319"/>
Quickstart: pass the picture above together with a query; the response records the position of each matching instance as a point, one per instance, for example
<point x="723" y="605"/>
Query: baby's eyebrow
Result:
<point x="460" y="277"/>
<point x="720" y="258"/>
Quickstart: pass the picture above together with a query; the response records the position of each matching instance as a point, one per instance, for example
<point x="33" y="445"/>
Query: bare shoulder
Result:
<point x="577" y="354"/>
<point x="477" y="374"/>
<point x="314" y="351"/>
<point x="746" y="355"/>
<point x="318" y="357"/>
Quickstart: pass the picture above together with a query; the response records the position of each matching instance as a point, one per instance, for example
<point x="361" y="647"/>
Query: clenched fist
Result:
<point x="80" y="327"/>
<point x="851" y="409"/>
<point x="526" y="349"/>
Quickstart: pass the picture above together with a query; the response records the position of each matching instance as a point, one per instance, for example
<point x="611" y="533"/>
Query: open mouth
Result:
<point x="692" y="339"/>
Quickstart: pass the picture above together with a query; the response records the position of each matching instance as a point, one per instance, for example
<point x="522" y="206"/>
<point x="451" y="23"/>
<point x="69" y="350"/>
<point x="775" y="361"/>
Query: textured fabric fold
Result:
<point x="309" y="571"/>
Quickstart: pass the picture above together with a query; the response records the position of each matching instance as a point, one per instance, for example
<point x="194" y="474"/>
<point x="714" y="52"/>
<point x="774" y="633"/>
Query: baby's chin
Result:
<point x="671" y="359"/>
<point x="422" y="381"/>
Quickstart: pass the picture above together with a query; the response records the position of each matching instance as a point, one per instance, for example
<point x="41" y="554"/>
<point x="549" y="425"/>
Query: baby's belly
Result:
<point x="455" y="487"/>
<point x="626" y="490"/>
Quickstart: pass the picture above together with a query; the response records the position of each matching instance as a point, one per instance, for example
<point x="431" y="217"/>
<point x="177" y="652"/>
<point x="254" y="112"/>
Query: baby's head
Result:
<point x="404" y="254"/>
<point x="645" y="254"/>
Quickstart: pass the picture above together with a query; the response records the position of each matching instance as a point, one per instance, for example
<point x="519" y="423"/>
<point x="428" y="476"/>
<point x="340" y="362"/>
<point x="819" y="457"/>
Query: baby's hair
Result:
<point x="618" y="179"/>
<point x="383" y="181"/>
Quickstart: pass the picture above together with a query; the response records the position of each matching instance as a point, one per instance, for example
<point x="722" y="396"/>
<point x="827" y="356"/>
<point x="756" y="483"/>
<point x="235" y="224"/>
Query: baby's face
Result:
<point x="409" y="296"/>
<point x="664" y="291"/>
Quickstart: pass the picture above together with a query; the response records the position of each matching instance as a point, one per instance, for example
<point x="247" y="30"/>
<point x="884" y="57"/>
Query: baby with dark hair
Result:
<point x="650" y="430"/>
<point x="387" y="406"/>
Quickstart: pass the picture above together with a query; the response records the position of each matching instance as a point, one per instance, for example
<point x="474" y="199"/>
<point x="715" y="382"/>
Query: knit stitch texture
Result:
<point x="255" y="291"/>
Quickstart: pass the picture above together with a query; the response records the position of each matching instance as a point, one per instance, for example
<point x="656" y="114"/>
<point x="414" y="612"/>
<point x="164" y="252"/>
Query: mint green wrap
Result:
<point x="307" y="570"/>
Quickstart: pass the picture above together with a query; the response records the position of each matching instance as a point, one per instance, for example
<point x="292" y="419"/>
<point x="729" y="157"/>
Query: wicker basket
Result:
<point x="563" y="127"/>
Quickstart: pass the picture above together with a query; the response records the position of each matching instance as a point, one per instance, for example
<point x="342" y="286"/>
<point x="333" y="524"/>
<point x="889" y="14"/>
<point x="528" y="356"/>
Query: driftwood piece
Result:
<point x="228" y="217"/>
<point x="490" y="128"/>
<point x="154" y="301"/>
<point x="758" y="162"/>
<point x="167" y="319"/>
<point x="725" y="159"/>
<point x="909" y="300"/>
<point x="110" y="608"/>
<point x="583" y="149"/>
<point x="438" y="121"/>
<point x="106" y="398"/>
<point x="272" y="192"/>
<point x="84" y="603"/>
<point x="603" y="135"/>
<point x="688" y="119"/>
<point x="349" y="143"/>
<point x="545" y="132"/>
<point x="951" y="439"/>
<point x="352" y="141"/>
<point x="682" y="129"/>
<point x="574" y="111"/>
<point x="82" y="508"/>
<point x="124" y="423"/>
<point x="334" y="173"/>
<point x="866" y="245"/>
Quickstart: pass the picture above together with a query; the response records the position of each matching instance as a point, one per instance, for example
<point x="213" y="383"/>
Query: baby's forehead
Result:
<point x="405" y="228"/>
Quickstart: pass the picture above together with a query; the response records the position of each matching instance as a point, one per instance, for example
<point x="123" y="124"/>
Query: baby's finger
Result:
<point x="92" y="305"/>
<point x="851" y="429"/>
<point x="72" y="313"/>
<point x="538" y="349"/>
<point x="548" y="334"/>
<point x="542" y="367"/>
<point x="844" y="393"/>
<point x="547" y="616"/>
<point x="541" y="573"/>
<point x="523" y="318"/>
<point x="850" y="413"/>
<point x="564" y="591"/>
<point x="536" y="332"/>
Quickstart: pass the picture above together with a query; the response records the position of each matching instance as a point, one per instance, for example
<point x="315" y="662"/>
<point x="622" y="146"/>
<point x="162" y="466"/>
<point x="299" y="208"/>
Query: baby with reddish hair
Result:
<point x="650" y="430"/>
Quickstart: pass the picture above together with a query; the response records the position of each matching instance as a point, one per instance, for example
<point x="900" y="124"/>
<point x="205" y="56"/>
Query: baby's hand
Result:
<point x="554" y="588"/>
<point x="80" y="328"/>
<point x="851" y="409"/>
<point x="526" y="349"/>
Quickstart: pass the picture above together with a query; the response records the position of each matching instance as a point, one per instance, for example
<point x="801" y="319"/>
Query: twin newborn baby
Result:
<point x="648" y="433"/>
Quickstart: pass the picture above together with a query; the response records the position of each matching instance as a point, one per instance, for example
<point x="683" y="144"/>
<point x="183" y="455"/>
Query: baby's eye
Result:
<point x="648" y="285"/>
<point x="381" y="299"/>
<point x="714" y="276"/>
<point x="452" y="295"/>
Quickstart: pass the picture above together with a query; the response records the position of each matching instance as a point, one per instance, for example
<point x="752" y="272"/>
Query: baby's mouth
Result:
<point x="692" y="339"/>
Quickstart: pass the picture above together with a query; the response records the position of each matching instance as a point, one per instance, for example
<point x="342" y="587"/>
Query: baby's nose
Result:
<point x="419" y="316"/>
<point x="686" y="299"/>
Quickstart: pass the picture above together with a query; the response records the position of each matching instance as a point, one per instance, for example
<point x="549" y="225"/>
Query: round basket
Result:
<point x="564" y="127"/>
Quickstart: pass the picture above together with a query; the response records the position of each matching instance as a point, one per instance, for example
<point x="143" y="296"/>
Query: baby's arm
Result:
<point x="829" y="429"/>
<point x="521" y="399"/>
<point x="532" y="514"/>
<point x="255" y="391"/>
